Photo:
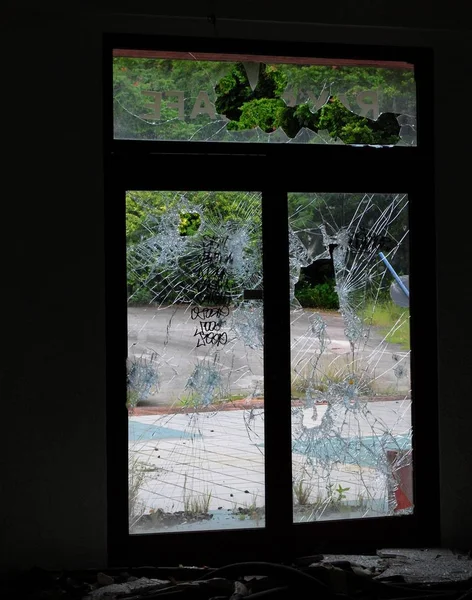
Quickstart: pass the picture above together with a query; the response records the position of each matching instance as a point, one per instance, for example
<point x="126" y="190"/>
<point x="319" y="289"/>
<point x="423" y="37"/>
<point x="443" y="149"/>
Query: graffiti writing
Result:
<point x="205" y="313"/>
<point x="212" y="273"/>
<point x="209" y="334"/>
<point x="212" y="287"/>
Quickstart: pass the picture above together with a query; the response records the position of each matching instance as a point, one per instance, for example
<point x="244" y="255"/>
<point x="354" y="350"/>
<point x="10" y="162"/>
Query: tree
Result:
<point x="156" y="99"/>
<point x="264" y="106"/>
<point x="167" y="233"/>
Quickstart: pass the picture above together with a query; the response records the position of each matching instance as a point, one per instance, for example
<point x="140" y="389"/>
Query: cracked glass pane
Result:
<point x="350" y="353"/>
<point x="235" y="98"/>
<point x="195" y="366"/>
<point x="195" y="358"/>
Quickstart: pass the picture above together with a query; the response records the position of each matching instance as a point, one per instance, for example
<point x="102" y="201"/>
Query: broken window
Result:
<point x="351" y="397"/>
<point x="234" y="98"/>
<point x="195" y="365"/>
<point x="268" y="364"/>
<point x="195" y="358"/>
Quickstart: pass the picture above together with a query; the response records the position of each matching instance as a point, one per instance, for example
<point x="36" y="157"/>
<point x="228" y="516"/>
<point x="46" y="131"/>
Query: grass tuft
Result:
<point x="302" y="492"/>
<point x="392" y="320"/>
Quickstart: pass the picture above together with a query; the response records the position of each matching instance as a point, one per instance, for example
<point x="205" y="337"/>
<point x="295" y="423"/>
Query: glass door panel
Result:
<point x="195" y="361"/>
<point x="350" y="356"/>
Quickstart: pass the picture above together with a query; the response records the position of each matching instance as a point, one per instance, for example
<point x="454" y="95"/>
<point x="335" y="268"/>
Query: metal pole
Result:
<point x="395" y="276"/>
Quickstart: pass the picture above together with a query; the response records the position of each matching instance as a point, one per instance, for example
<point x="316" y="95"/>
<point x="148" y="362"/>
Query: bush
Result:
<point x="140" y="296"/>
<point x="322" y="295"/>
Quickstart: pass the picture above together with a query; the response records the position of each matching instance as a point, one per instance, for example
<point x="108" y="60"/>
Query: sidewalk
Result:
<point x="218" y="456"/>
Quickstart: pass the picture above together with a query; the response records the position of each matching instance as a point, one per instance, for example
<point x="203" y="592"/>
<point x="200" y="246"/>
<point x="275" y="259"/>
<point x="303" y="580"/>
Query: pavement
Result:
<point x="188" y="456"/>
<point x="167" y="334"/>
<point x="217" y="456"/>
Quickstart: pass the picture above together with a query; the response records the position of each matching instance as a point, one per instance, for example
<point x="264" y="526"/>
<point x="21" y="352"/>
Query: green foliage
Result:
<point x="263" y="113"/>
<point x="328" y="371"/>
<point x="322" y="295"/>
<point x="136" y="478"/>
<point x="140" y="294"/>
<point x="308" y="211"/>
<point x="353" y="129"/>
<point x="233" y="91"/>
<point x="133" y="78"/>
<point x="249" y="510"/>
<point x="349" y="79"/>
<point x="265" y="108"/>
<point x="292" y="119"/>
<point x="189" y="223"/>
<point x="145" y="211"/>
<point x="143" y="208"/>
<point x="302" y="492"/>
<point x="195" y="504"/>
<point x="227" y="85"/>
<point x="392" y="320"/>
<point x="132" y="399"/>
<point x="335" y="496"/>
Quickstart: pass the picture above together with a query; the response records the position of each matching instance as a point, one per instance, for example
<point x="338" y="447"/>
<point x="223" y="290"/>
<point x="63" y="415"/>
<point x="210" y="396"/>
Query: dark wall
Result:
<point x="52" y="381"/>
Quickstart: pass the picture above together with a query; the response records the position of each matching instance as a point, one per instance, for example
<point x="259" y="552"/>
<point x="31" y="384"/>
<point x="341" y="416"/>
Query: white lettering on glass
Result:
<point x="289" y="97"/>
<point x="344" y="101"/>
<point x="179" y="104"/>
<point x="368" y="101"/>
<point x="154" y="107"/>
<point x="203" y="106"/>
<point x="318" y="102"/>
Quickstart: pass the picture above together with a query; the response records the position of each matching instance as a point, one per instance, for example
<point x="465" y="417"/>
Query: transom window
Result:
<point x="263" y="99"/>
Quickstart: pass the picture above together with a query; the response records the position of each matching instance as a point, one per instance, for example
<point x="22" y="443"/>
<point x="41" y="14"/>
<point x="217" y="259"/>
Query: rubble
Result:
<point x="393" y="574"/>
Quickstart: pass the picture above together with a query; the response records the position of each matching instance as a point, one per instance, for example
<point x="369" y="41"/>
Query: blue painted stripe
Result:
<point x="138" y="431"/>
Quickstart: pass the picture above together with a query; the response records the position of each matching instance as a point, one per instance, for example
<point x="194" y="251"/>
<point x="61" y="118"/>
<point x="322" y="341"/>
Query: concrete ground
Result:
<point x="169" y="334"/>
<point x="218" y="457"/>
<point x="193" y="456"/>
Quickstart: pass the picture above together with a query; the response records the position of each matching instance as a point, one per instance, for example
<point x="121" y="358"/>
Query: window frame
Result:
<point x="204" y="165"/>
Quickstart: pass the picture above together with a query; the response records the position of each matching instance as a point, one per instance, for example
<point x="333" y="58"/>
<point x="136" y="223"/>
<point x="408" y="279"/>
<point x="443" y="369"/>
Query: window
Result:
<point x="265" y="384"/>
<point x="262" y="99"/>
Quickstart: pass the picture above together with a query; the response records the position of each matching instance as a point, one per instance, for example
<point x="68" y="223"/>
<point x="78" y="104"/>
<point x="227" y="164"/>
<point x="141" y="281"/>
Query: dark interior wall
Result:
<point x="453" y="210"/>
<point x="52" y="382"/>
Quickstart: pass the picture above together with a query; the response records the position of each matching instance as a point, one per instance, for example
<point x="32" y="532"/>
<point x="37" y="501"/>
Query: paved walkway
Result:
<point x="217" y="457"/>
<point x="190" y="456"/>
<point x="169" y="334"/>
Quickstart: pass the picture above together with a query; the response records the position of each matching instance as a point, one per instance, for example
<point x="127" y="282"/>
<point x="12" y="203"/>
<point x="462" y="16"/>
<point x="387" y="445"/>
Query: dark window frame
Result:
<point x="205" y="165"/>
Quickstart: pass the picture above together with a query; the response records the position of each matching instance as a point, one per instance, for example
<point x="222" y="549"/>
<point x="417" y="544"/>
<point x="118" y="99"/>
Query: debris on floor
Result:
<point x="393" y="574"/>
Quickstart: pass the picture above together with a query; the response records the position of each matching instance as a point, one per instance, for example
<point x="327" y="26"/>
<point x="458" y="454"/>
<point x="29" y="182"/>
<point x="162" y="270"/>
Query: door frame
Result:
<point x="205" y="166"/>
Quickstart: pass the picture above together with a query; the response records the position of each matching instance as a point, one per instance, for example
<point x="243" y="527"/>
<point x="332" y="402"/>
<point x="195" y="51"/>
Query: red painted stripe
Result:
<point x="295" y="60"/>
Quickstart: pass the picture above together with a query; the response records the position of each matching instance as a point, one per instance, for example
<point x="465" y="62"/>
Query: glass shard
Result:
<point x="195" y="366"/>
<point x="351" y="421"/>
<point x="231" y="98"/>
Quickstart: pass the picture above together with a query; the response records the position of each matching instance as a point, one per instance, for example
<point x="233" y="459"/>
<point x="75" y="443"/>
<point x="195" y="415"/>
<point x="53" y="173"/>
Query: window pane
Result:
<point x="195" y="368"/>
<point x="350" y="352"/>
<point x="236" y="98"/>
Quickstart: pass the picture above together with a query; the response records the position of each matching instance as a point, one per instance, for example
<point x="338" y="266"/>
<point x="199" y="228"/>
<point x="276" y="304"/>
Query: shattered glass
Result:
<point x="195" y="367"/>
<point x="185" y="96"/>
<point x="351" y="397"/>
<point x="195" y="358"/>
